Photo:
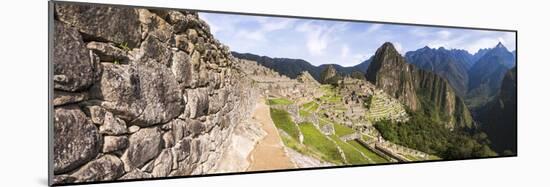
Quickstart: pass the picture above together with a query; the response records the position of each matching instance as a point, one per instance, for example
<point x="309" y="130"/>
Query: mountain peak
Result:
<point x="386" y="48"/>
<point x="500" y="45"/>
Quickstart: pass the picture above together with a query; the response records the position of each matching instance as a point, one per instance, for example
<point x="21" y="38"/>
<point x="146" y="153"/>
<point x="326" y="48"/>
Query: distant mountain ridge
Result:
<point x="487" y="73"/>
<point x="453" y="65"/>
<point x="294" y="67"/>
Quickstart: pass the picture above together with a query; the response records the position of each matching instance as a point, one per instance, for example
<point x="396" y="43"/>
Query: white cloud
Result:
<point x="444" y="34"/>
<point x="398" y="47"/>
<point x="318" y="36"/>
<point x="374" y="28"/>
<point x="419" y="32"/>
<point x="344" y="52"/>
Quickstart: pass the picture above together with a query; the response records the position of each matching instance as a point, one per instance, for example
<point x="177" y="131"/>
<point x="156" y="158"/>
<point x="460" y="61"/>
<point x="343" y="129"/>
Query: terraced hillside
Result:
<point x="382" y="107"/>
<point x="331" y="124"/>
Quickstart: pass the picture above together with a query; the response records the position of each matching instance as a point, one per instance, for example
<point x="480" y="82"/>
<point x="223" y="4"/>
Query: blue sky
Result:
<point x="338" y="42"/>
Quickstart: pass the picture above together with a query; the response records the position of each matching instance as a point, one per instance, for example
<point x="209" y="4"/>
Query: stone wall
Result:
<point x="140" y="94"/>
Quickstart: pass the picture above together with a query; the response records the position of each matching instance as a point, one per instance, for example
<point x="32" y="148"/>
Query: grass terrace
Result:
<point x="318" y="141"/>
<point x="330" y="94"/>
<point x="279" y="101"/>
<point x="308" y="108"/>
<point x="353" y="156"/>
<point x="284" y="122"/>
<point x="341" y="130"/>
<point x="373" y="156"/>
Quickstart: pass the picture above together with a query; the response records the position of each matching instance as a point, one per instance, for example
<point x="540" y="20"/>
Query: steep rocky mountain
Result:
<point x="500" y="121"/>
<point x="418" y="89"/>
<point x="329" y="75"/>
<point x="140" y="93"/>
<point x="452" y="65"/>
<point x="486" y="75"/>
<point x="293" y="67"/>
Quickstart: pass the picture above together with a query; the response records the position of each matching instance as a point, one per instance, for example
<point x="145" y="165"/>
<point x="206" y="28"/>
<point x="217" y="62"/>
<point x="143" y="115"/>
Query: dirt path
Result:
<point x="269" y="153"/>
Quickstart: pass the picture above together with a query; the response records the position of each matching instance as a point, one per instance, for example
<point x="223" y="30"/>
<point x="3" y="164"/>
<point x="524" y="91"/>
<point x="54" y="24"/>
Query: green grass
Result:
<point x="341" y="130"/>
<point x="366" y="138"/>
<point x="433" y="157"/>
<point x="331" y="98"/>
<point x="304" y="113"/>
<point x="310" y="106"/>
<point x="330" y="94"/>
<point x="279" y="101"/>
<point x="124" y="46"/>
<point x="373" y="156"/>
<point x="283" y="121"/>
<point x="353" y="156"/>
<point x="315" y="139"/>
<point x="412" y="158"/>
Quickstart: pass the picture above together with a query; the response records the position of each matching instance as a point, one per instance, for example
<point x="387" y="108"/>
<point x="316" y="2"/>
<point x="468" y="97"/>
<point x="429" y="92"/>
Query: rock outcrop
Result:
<point x="141" y="93"/>
<point x="417" y="89"/>
<point x="329" y="75"/>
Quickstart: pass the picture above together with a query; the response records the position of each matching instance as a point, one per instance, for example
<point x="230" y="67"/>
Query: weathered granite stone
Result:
<point x="144" y="146"/>
<point x="61" y="179"/>
<point x="168" y="139"/>
<point x="133" y="129"/>
<point x="96" y="113"/>
<point x="148" y="167"/>
<point x="136" y="174"/>
<point x="178" y="21"/>
<point x="63" y="98"/>
<point x="197" y="104"/>
<point x="217" y="101"/>
<point x="152" y="49"/>
<point x="72" y="63"/>
<point x="178" y="129"/>
<point x="194" y="128"/>
<point x="160" y="93"/>
<point x="103" y="23"/>
<point x="155" y="25"/>
<point x="163" y="164"/>
<point x="105" y="168"/>
<point x="181" y="67"/>
<point x="119" y="90"/>
<point x="108" y="52"/>
<point x="76" y="140"/>
<point x="114" y="143"/>
<point x="182" y="149"/>
<point x="113" y="125"/>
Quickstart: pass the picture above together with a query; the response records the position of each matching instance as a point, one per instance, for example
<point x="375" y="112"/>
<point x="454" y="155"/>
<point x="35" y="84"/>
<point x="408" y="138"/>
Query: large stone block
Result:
<point x="76" y="139"/>
<point x="105" y="168"/>
<point x="72" y="63"/>
<point x="144" y="94"/>
<point x="163" y="164"/>
<point x="144" y="145"/>
<point x="113" y="125"/>
<point x="119" y="25"/>
<point x="114" y="143"/>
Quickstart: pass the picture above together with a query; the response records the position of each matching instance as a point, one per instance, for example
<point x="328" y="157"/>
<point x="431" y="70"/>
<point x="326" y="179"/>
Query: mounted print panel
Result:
<point x="153" y="93"/>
